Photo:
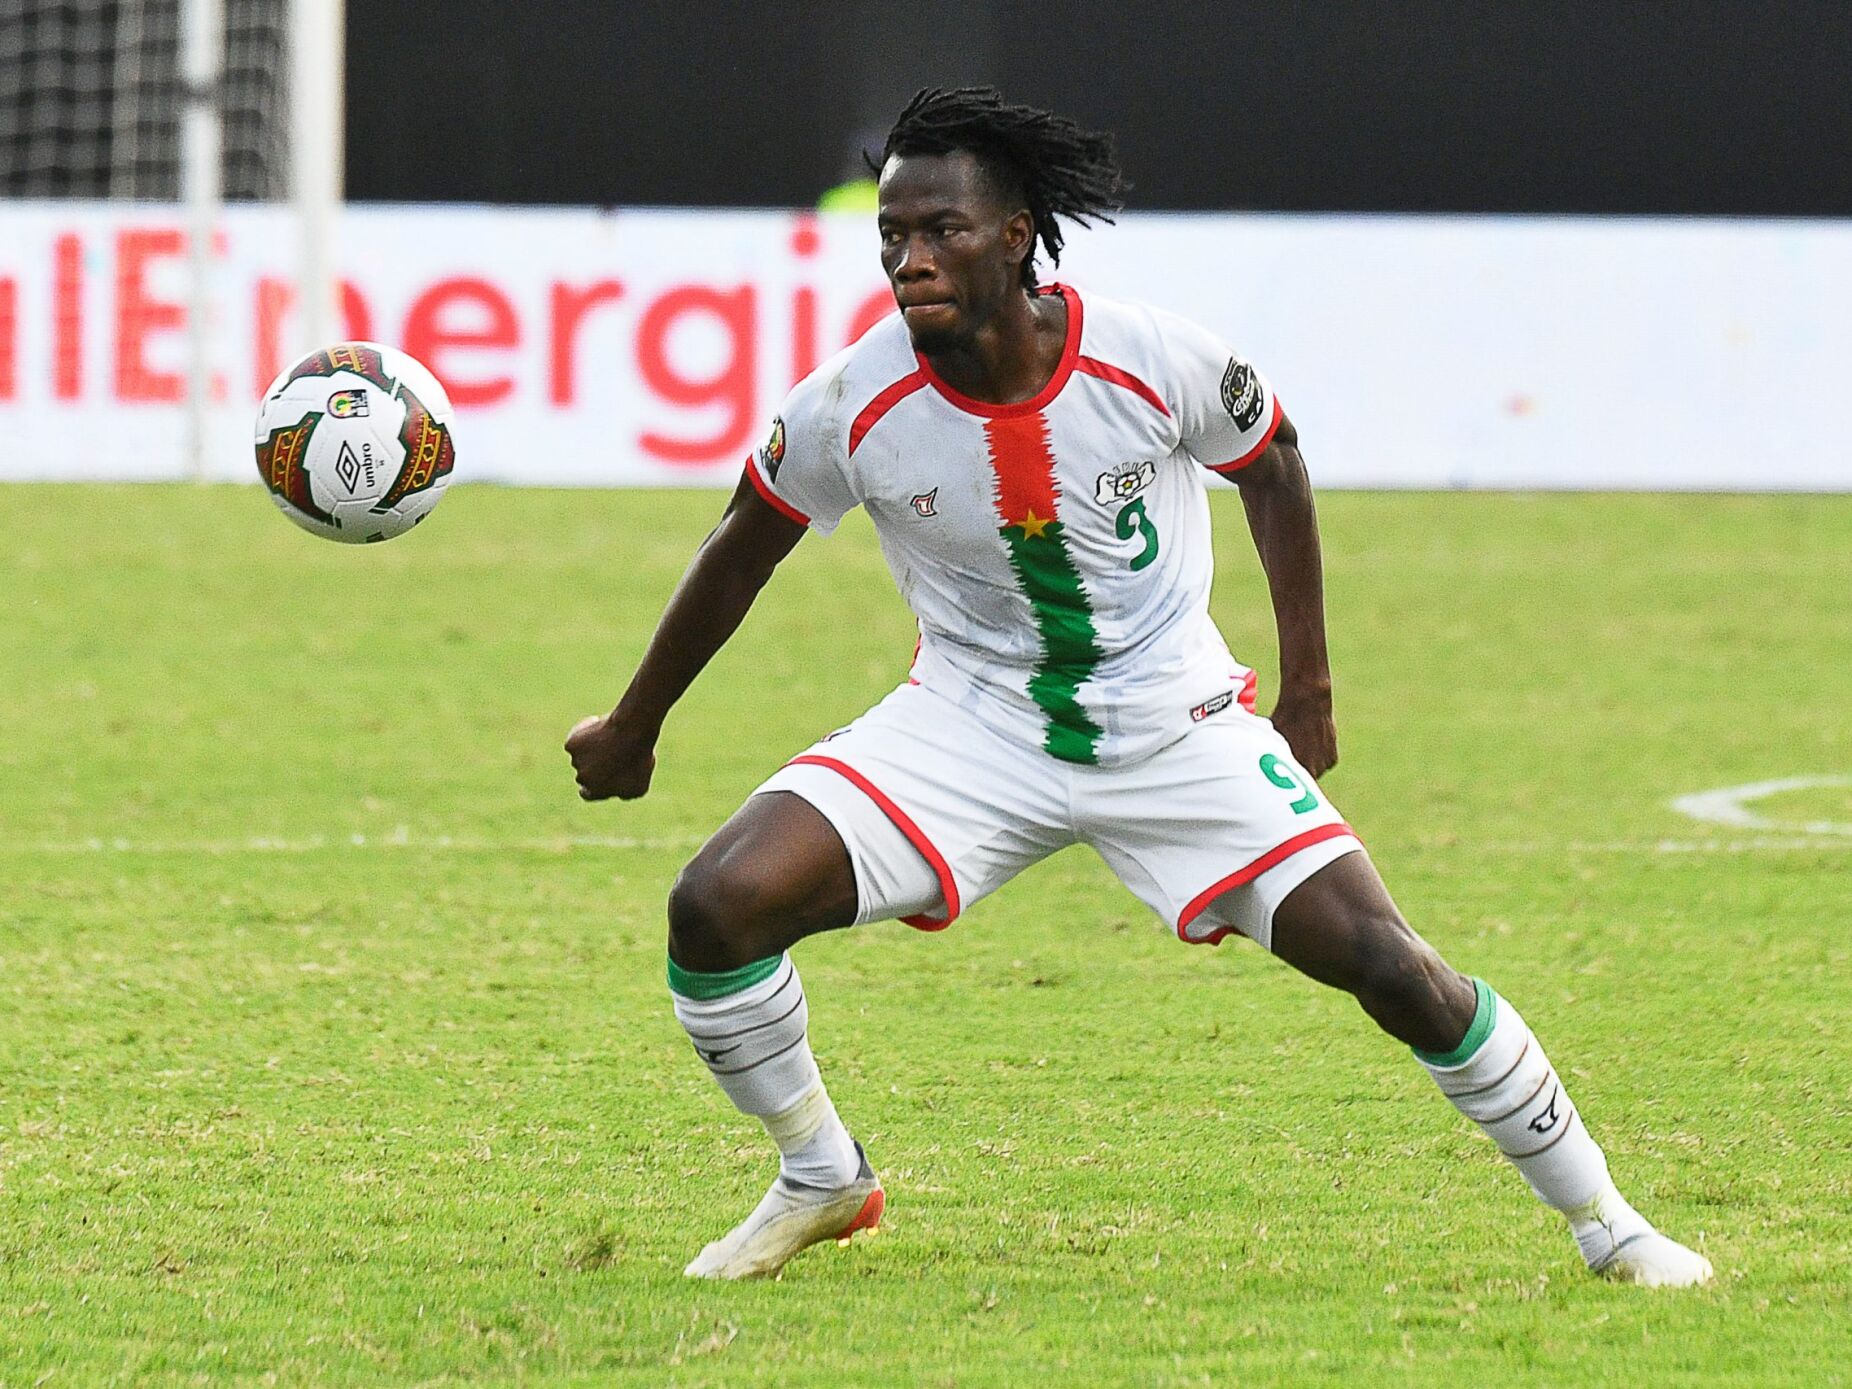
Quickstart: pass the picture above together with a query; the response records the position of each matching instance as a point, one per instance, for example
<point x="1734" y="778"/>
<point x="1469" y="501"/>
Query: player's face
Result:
<point x="951" y="247"/>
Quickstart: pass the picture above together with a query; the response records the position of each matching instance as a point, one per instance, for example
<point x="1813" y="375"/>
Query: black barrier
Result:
<point x="1680" y="106"/>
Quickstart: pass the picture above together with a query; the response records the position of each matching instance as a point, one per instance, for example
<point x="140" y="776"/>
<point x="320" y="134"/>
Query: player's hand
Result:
<point x="609" y="759"/>
<point x="1304" y="721"/>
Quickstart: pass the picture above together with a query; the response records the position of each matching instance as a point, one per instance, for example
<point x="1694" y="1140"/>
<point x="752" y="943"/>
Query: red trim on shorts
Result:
<point x="990" y="410"/>
<point x="880" y="405"/>
<point x="948" y="887"/>
<point x="1117" y="376"/>
<point x="1249" y="686"/>
<point x="1271" y="859"/>
<point x="1273" y="427"/>
<point x="776" y="502"/>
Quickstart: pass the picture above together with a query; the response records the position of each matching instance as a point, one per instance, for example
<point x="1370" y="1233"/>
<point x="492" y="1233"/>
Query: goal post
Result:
<point x="202" y="25"/>
<point x="317" y="115"/>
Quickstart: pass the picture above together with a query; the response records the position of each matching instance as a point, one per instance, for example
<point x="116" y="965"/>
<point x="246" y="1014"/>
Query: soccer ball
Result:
<point x="354" y="444"/>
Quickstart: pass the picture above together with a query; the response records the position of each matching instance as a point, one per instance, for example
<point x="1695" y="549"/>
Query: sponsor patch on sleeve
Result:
<point x="1241" y="395"/>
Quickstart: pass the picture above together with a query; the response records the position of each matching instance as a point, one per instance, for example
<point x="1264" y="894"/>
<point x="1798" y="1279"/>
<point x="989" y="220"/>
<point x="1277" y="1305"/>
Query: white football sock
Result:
<point x="1500" y="1079"/>
<point x="749" y="1026"/>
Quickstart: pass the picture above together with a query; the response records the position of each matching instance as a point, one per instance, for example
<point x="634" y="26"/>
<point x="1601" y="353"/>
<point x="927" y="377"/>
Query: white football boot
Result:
<point x="790" y="1219"/>
<point x="1654" y="1261"/>
<point x="1619" y="1243"/>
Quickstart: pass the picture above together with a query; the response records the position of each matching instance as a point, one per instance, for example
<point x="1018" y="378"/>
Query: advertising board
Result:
<point x="652" y="347"/>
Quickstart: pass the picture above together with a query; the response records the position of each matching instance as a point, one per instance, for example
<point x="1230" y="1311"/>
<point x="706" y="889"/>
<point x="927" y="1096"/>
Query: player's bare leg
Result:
<point x="773" y="874"/>
<point x="1341" y="928"/>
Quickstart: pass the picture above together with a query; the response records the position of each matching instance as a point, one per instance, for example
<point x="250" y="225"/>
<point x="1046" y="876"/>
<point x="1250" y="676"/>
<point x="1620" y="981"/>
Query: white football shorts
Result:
<point x="938" y="810"/>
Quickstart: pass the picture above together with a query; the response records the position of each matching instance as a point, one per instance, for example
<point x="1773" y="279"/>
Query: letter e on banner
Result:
<point x="139" y="316"/>
<point x="431" y="331"/>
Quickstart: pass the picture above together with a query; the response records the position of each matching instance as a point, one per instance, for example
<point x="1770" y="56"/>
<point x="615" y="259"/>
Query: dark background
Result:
<point x="1667" y="106"/>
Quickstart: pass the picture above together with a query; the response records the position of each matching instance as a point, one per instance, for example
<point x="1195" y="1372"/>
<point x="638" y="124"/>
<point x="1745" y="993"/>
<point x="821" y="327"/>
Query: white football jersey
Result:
<point x="1055" y="552"/>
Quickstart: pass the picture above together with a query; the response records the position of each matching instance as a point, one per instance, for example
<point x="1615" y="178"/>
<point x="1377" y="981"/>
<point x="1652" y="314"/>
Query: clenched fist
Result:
<point x="609" y="759"/>
<point x="1304" y="721"/>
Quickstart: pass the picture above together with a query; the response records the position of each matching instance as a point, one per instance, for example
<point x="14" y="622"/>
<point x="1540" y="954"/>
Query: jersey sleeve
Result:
<point x="801" y="469"/>
<point x="1226" y="410"/>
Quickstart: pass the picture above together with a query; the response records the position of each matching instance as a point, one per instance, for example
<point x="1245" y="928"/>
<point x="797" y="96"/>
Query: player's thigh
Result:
<point x="1215" y="831"/>
<point x="935" y="809"/>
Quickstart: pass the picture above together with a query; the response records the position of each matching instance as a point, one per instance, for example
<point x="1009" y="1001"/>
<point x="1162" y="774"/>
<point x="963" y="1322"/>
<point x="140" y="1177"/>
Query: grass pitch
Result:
<point x="336" y="1046"/>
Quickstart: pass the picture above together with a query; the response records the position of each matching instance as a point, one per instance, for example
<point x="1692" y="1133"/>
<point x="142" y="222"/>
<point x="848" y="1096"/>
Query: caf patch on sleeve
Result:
<point x="773" y="454"/>
<point x="1241" y="393"/>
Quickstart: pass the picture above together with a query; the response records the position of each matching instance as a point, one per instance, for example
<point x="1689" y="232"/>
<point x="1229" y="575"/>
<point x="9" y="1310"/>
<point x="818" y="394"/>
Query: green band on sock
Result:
<point x="691" y="983"/>
<point x="1483" y="1017"/>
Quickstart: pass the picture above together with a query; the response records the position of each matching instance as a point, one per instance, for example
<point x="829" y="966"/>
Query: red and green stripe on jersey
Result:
<point x="1028" y="507"/>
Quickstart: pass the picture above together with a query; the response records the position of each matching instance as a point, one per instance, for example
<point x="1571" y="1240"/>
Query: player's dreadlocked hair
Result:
<point x="1062" y="170"/>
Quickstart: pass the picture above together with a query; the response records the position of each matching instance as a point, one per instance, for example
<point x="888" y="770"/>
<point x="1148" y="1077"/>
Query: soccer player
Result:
<point x="1032" y="459"/>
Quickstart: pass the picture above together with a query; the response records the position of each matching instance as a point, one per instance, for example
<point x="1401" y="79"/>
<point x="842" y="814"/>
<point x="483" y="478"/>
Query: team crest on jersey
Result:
<point x="1124" y="482"/>
<point x="1241" y="393"/>
<point x="927" y="503"/>
<point x="773" y="454"/>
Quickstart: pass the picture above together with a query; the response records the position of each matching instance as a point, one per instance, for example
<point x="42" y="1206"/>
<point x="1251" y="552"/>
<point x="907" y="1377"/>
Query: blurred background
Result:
<point x="1563" y="244"/>
<point x="1681" y="106"/>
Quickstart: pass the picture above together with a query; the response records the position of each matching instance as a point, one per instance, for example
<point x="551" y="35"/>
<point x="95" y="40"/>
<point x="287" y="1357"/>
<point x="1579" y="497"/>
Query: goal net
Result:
<point x="93" y="94"/>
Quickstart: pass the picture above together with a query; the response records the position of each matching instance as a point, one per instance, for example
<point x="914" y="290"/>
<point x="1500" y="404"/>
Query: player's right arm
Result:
<point x="615" y="755"/>
<point x="797" y="480"/>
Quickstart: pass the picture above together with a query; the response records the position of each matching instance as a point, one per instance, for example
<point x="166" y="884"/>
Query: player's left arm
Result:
<point x="1284" y="521"/>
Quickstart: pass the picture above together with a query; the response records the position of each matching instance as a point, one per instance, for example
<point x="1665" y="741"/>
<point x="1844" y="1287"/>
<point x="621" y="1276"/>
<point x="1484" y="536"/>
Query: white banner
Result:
<point x="652" y="347"/>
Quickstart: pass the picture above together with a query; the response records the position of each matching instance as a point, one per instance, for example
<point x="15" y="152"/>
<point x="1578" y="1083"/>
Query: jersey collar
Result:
<point x="1070" y="353"/>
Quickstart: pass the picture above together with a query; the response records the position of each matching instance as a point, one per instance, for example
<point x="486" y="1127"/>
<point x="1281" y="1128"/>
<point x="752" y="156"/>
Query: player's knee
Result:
<point x="711" y="920"/>
<point x="1397" y="973"/>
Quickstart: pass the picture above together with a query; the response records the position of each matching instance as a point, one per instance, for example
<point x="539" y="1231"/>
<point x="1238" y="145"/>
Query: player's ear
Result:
<point x="1019" y="235"/>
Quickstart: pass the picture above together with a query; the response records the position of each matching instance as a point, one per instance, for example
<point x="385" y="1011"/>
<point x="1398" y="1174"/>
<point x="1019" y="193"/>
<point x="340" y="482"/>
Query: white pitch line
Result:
<point x="316" y="843"/>
<point x="1757" y="844"/>
<point x="1729" y="805"/>
<point x="393" y="841"/>
<point x="1749" y="846"/>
